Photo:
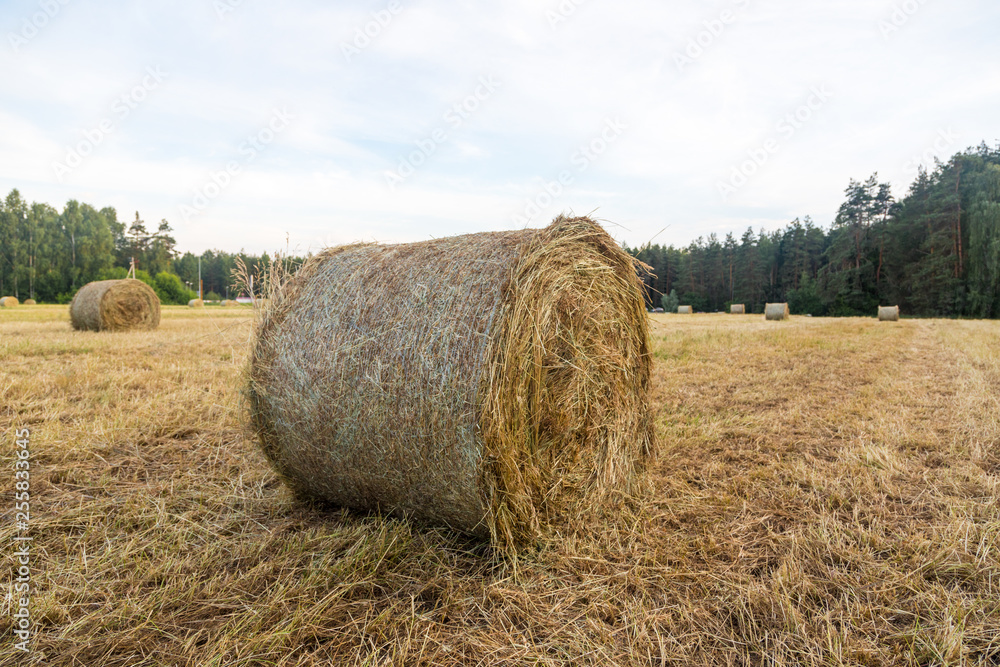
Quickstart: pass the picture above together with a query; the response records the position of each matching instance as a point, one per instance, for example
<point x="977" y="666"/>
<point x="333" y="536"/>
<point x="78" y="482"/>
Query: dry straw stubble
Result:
<point x="115" y="305"/>
<point x="479" y="381"/>
<point x="776" y="311"/>
<point x="888" y="313"/>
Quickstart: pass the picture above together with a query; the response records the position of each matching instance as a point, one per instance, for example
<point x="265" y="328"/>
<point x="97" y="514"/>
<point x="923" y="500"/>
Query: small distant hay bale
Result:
<point x="737" y="309"/>
<point x="888" y="313"/>
<point x="196" y="303"/>
<point x="229" y="303"/>
<point x="115" y="305"/>
<point x="30" y="302"/>
<point x="8" y="302"/>
<point x="776" y="311"/>
<point x="516" y="384"/>
<point x="685" y="310"/>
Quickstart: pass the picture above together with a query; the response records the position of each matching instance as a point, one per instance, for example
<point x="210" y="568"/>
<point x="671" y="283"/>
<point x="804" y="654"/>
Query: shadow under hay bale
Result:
<point x="776" y="311"/>
<point x="196" y="303"/>
<point x="685" y="310"/>
<point x="515" y="382"/>
<point x="115" y="305"/>
<point x="737" y="309"/>
<point x="8" y="302"/>
<point x="888" y="313"/>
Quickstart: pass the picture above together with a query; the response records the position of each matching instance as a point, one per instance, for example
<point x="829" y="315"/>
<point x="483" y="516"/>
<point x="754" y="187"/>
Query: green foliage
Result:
<point x="934" y="253"/>
<point x="670" y="301"/>
<point x="213" y="296"/>
<point x="171" y="290"/>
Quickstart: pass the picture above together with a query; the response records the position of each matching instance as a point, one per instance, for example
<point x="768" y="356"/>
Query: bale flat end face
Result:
<point x="888" y="313"/>
<point x="115" y="305"/>
<point x="776" y="311"/>
<point x="520" y="368"/>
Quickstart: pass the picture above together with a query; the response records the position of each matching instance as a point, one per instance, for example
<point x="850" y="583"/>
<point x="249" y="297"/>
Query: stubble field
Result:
<point x="825" y="492"/>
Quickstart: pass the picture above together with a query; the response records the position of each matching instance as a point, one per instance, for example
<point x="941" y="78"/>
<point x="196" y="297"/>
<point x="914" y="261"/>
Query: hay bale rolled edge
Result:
<point x="685" y="310"/>
<point x="776" y="311"/>
<point x="115" y="305"/>
<point x="30" y="302"/>
<point x="196" y="303"/>
<point x="737" y="309"/>
<point x="888" y="313"/>
<point x="8" y="302"/>
<point x="507" y="381"/>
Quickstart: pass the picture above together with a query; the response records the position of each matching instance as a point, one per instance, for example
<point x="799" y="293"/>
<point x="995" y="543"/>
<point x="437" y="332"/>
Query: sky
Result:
<point x="264" y="126"/>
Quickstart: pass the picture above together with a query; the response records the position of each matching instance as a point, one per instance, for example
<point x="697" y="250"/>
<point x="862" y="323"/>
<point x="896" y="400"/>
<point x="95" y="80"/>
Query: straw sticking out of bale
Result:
<point x="8" y="302"/>
<point x="30" y="302"/>
<point x="888" y="313"/>
<point x="115" y="305"/>
<point x="196" y="303"/>
<point x="684" y="310"/>
<point x="737" y="309"/>
<point x="515" y="382"/>
<point x="776" y="311"/>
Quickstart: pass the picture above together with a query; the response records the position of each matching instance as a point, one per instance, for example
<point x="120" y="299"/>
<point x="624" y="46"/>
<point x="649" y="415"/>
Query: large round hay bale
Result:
<point x="685" y="310"/>
<point x="196" y="303"/>
<point x="229" y="303"/>
<point x="515" y="380"/>
<point x="115" y="305"/>
<point x="888" y="313"/>
<point x="737" y="309"/>
<point x="8" y="302"/>
<point x="776" y="311"/>
<point x="30" y="302"/>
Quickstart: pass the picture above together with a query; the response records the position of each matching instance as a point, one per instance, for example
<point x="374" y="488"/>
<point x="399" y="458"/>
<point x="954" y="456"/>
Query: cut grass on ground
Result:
<point x="824" y="492"/>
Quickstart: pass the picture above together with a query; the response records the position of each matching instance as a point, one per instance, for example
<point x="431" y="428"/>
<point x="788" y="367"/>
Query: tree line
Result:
<point x="935" y="252"/>
<point x="47" y="255"/>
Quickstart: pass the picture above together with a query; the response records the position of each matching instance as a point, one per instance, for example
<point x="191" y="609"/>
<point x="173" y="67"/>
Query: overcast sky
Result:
<point x="243" y="121"/>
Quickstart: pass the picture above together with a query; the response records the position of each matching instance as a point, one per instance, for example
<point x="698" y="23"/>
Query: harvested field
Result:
<point x="834" y="502"/>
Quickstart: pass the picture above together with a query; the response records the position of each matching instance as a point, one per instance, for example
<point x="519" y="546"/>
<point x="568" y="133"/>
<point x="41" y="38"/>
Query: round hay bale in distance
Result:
<point x="196" y="303"/>
<point x="30" y="302"/>
<point x="776" y="311"/>
<point x="516" y="384"/>
<point x="8" y="302"/>
<point x="115" y="305"/>
<point x="229" y="303"/>
<point x="685" y="310"/>
<point x="888" y="313"/>
<point x="737" y="309"/>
